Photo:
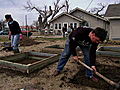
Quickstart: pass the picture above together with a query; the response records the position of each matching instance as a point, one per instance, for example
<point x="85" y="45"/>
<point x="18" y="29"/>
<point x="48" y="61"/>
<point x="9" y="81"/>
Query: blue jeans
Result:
<point x="66" y="55"/>
<point x="85" y="50"/>
<point x="15" y="41"/>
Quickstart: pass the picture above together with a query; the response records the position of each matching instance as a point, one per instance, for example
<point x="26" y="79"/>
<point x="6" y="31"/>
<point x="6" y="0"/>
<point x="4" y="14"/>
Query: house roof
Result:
<point x="113" y="18"/>
<point x="113" y="10"/>
<point x="72" y="11"/>
<point x="66" y="15"/>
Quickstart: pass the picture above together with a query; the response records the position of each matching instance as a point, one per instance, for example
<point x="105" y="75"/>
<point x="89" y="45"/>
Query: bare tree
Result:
<point x="35" y="23"/>
<point x="57" y="8"/>
<point x="2" y="25"/>
<point x="46" y="12"/>
<point x="43" y="14"/>
<point x="67" y="5"/>
<point x="97" y="10"/>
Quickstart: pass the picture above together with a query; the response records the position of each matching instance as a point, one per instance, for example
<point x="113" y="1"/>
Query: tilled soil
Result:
<point x="71" y="78"/>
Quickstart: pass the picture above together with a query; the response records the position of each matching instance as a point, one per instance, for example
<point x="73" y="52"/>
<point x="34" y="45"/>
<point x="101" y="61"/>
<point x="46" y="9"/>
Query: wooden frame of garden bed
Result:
<point x="108" y="51"/>
<point x="39" y="60"/>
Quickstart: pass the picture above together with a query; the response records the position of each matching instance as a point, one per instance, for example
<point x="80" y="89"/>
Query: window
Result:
<point x="75" y="25"/>
<point x="51" y="26"/>
<point x="59" y="25"/>
<point x="56" y="27"/>
<point x="71" y="24"/>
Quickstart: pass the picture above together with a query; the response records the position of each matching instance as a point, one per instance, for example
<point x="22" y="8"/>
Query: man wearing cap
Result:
<point x="14" y="32"/>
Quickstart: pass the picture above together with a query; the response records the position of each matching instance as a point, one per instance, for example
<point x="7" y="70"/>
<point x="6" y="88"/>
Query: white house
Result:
<point x="75" y="18"/>
<point x="113" y="15"/>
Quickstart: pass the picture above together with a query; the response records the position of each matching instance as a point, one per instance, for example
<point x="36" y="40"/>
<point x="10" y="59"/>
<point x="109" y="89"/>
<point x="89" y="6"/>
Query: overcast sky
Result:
<point x="15" y="7"/>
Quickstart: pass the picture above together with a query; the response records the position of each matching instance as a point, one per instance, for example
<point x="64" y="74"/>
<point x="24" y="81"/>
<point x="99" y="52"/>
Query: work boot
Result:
<point x="93" y="78"/>
<point x="56" y="73"/>
<point x="16" y="51"/>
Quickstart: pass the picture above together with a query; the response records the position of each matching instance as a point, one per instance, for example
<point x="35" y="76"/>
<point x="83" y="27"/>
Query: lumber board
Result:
<point x="14" y="66"/>
<point x="43" y="63"/>
<point x="108" y="53"/>
<point x="36" y="58"/>
<point x="108" y="48"/>
<point x="14" y="57"/>
<point x="41" y="54"/>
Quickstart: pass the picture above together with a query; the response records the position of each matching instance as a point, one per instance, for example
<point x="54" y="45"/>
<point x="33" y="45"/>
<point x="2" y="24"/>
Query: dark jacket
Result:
<point x="79" y="37"/>
<point x="64" y="29"/>
<point x="14" y="27"/>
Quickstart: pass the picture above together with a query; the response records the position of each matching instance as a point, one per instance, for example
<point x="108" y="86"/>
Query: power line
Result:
<point x="89" y="5"/>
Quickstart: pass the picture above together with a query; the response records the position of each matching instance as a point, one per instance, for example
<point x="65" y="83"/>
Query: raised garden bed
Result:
<point x="28" y="61"/>
<point x="109" y="51"/>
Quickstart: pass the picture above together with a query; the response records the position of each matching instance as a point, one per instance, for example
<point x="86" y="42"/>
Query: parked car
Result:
<point x="3" y="32"/>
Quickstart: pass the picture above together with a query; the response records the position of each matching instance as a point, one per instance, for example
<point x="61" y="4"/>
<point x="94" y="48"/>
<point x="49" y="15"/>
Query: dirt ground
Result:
<point x="71" y="78"/>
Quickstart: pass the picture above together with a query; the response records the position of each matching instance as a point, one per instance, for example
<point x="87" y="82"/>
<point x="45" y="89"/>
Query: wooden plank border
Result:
<point x="41" y="63"/>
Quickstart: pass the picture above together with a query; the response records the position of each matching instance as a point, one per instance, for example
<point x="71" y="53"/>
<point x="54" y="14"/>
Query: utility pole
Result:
<point x="26" y="21"/>
<point x="26" y="24"/>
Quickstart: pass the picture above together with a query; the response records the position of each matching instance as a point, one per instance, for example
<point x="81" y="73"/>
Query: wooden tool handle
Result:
<point x="100" y="75"/>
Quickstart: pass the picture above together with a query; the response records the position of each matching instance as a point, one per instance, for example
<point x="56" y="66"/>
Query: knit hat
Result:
<point x="8" y="16"/>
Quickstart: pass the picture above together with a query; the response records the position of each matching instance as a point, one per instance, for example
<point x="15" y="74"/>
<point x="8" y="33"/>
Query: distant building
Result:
<point x="75" y="18"/>
<point x="113" y="15"/>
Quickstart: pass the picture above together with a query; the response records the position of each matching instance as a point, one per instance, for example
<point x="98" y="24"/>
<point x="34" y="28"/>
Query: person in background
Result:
<point x="87" y="39"/>
<point x="64" y="30"/>
<point x="72" y="27"/>
<point x="69" y="30"/>
<point x="15" y="32"/>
